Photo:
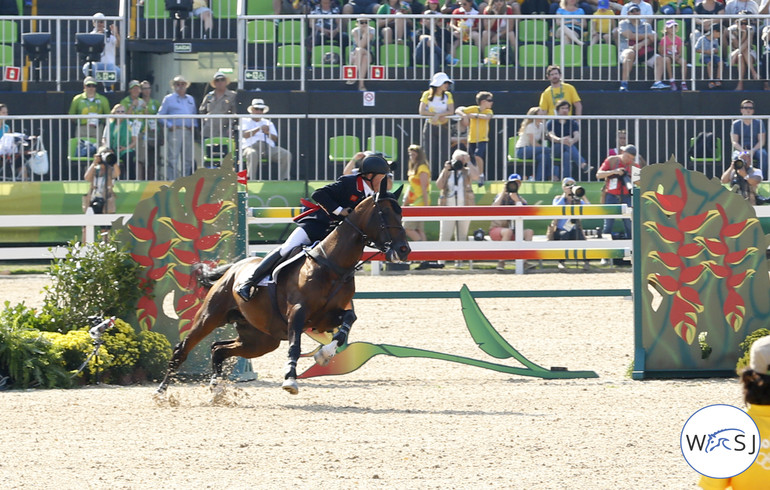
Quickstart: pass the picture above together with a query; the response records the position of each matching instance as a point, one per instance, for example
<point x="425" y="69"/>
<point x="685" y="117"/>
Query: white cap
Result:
<point x="440" y="79"/>
<point x="98" y="16"/>
<point x="760" y="355"/>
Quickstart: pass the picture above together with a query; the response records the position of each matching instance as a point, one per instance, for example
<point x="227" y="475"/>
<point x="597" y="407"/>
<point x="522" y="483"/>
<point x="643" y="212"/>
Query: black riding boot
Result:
<point x="264" y="268"/>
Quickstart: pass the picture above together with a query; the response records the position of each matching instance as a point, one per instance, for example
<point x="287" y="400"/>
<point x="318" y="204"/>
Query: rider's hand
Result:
<point x="346" y="212"/>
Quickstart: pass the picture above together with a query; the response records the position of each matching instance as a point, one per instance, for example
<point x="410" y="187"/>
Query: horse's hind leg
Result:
<point x="296" y="322"/>
<point x="325" y="353"/>
<point x="204" y="323"/>
<point x="249" y="344"/>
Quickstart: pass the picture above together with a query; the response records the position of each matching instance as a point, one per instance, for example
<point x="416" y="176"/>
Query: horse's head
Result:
<point x="380" y="221"/>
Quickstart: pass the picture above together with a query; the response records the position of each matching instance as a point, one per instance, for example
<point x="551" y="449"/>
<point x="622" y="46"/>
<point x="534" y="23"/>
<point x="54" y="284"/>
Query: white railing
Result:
<point x="315" y="155"/>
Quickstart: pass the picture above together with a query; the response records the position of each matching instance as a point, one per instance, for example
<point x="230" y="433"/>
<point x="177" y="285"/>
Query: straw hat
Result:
<point x="259" y="104"/>
<point x="179" y="78"/>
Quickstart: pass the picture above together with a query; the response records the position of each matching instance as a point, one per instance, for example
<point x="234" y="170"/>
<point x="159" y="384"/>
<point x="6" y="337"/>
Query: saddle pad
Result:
<point x="247" y="270"/>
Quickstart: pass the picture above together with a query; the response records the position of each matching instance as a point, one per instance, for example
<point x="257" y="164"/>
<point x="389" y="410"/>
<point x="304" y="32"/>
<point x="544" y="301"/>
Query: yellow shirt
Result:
<point x="550" y="97"/>
<point x="603" y="25"/>
<point x="478" y="129"/>
<point x="758" y="474"/>
<point x="437" y="105"/>
<point x="414" y="196"/>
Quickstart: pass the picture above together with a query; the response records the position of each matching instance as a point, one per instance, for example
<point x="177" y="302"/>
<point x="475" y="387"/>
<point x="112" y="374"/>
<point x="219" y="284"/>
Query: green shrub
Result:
<point x="30" y="359"/>
<point x="745" y="346"/>
<point x="91" y="279"/>
<point x="154" y="354"/>
<point x="122" y="343"/>
<point x="22" y="316"/>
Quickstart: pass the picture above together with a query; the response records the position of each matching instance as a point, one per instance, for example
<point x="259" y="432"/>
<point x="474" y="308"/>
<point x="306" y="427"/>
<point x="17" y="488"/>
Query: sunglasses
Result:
<point x="120" y="112"/>
<point x="747" y="107"/>
<point x="180" y="84"/>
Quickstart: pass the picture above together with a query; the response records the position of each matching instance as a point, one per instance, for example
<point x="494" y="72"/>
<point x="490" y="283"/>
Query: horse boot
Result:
<point x="264" y="268"/>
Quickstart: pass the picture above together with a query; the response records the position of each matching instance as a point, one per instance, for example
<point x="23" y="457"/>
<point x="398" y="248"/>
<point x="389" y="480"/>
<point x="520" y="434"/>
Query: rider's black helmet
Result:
<point x="375" y="164"/>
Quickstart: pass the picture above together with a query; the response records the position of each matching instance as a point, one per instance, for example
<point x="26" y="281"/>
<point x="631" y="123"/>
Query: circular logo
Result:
<point x="720" y="441"/>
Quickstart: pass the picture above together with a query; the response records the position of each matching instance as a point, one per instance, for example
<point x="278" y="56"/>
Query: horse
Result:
<point x="315" y="293"/>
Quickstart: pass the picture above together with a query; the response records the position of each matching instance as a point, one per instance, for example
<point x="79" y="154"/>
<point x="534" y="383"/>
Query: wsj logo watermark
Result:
<point x="720" y="441"/>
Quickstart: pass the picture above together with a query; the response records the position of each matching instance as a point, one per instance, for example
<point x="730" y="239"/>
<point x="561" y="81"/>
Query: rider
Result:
<point x="335" y="202"/>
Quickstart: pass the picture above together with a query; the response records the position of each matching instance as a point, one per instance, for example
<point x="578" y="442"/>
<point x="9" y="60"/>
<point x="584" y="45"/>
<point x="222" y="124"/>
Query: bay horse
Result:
<point x="315" y="293"/>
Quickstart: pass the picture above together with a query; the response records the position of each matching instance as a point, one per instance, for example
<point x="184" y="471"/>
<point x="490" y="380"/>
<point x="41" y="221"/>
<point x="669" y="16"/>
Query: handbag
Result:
<point x="38" y="158"/>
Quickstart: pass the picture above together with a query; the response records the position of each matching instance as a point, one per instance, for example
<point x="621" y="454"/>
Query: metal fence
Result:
<point x="321" y="144"/>
<point x="295" y="49"/>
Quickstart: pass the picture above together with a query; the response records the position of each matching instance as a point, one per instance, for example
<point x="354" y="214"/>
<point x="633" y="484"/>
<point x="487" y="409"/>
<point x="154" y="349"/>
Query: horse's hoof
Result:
<point x="291" y="386"/>
<point x="325" y="353"/>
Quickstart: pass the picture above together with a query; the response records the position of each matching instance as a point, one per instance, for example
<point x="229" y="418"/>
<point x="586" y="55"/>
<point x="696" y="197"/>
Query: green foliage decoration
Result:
<point x="745" y="346"/>
<point x="92" y="279"/>
<point x="154" y="354"/>
<point x="30" y="360"/>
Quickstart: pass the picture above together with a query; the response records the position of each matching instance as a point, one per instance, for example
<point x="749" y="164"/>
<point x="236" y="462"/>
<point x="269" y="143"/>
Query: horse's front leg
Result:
<point x="325" y="353"/>
<point x="296" y="322"/>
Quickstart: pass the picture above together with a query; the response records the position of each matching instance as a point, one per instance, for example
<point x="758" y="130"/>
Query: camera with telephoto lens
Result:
<point x="577" y="192"/>
<point x="738" y="164"/>
<point x="512" y="186"/>
<point x="108" y="157"/>
<point x="625" y="179"/>
<point x="457" y="165"/>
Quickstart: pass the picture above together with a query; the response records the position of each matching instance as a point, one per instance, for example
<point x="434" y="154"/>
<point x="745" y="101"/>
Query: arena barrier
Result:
<point x="518" y="249"/>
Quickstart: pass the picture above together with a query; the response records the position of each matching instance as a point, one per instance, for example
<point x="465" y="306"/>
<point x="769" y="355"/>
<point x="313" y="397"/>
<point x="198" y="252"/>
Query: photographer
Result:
<point x="122" y="135"/>
<point x="107" y="62"/>
<point x="742" y="177"/>
<point x="503" y="230"/>
<point x="616" y="170"/>
<point x="101" y="174"/>
<point x="568" y="229"/>
<point x="454" y="183"/>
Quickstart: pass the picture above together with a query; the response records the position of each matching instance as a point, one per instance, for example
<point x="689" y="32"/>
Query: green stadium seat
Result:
<point x="6" y="55"/>
<point x="394" y="55"/>
<point x="155" y="9"/>
<point x="289" y="56"/>
<point x="224" y="9"/>
<point x="259" y="7"/>
<point x="290" y="32"/>
<point x="260" y="31"/>
<point x="533" y="55"/>
<point x="8" y="32"/>
<point x="602" y="55"/>
<point x="533" y="31"/>
<point x="343" y="148"/>
<point x="468" y="54"/>
<point x="573" y="55"/>
<point x="387" y="145"/>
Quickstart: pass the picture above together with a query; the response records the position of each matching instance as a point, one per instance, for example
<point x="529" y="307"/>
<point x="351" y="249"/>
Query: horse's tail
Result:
<point x="206" y="275"/>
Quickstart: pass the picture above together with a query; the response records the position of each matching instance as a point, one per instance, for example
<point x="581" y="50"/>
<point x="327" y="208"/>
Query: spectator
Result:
<point x="673" y="7"/>
<point x="292" y="7"/>
<point x="557" y="92"/>
<point x="120" y="135"/>
<point x="530" y="7"/>
<point x="360" y="7"/>
<point x="259" y="139"/>
<point x="504" y="230"/>
<point x="180" y="142"/>
<point x="569" y="30"/>
<point x="637" y="44"/>
<point x="670" y="48"/>
<point x="202" y="10"/>
<point x="436" y="39"/>
<point x="701" y="25"/>
<point x="568" y="228"/>
<point x="735" y="7"/>
<point x="743" y="178"/>
<point x="89" y="103"/>
<point x="221" y="100"/>
<point x="150" y="138"/>
<point x="437" y="104"/>
<point x="742" y="52"/>
<point x="765" y="60"/>
<point x="132" y="102"/>
<point x="111" y="43"/>
<point x="11" y="154"/>
<point x="645" y="9"/>
<point x="454" y="183"/>
<point x="499" y="31"/>
<point x="709" y="48"/>
<point x="621" y="140"/>
<point x="469" y="25"/>
<point x="755" y="381"/>
<point x="354" y="164"/>
<point x="616" y="171"/>
<point x="363" y="40"/>
<point x="417" y="194"/>
<point x="393" y="29"/>
<point x="101" y="177"/>
<point x="530" y="145"/>
<point x="326" y="30"/>
<point x="602" y="28"/>
<point x="749" y="135"/>
<point x="565" y="135"/>
<point x="478" y="117"/>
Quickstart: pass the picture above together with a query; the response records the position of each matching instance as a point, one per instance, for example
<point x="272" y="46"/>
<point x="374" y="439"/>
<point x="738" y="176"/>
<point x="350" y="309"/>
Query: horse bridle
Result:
<point x="386" y="246"/>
